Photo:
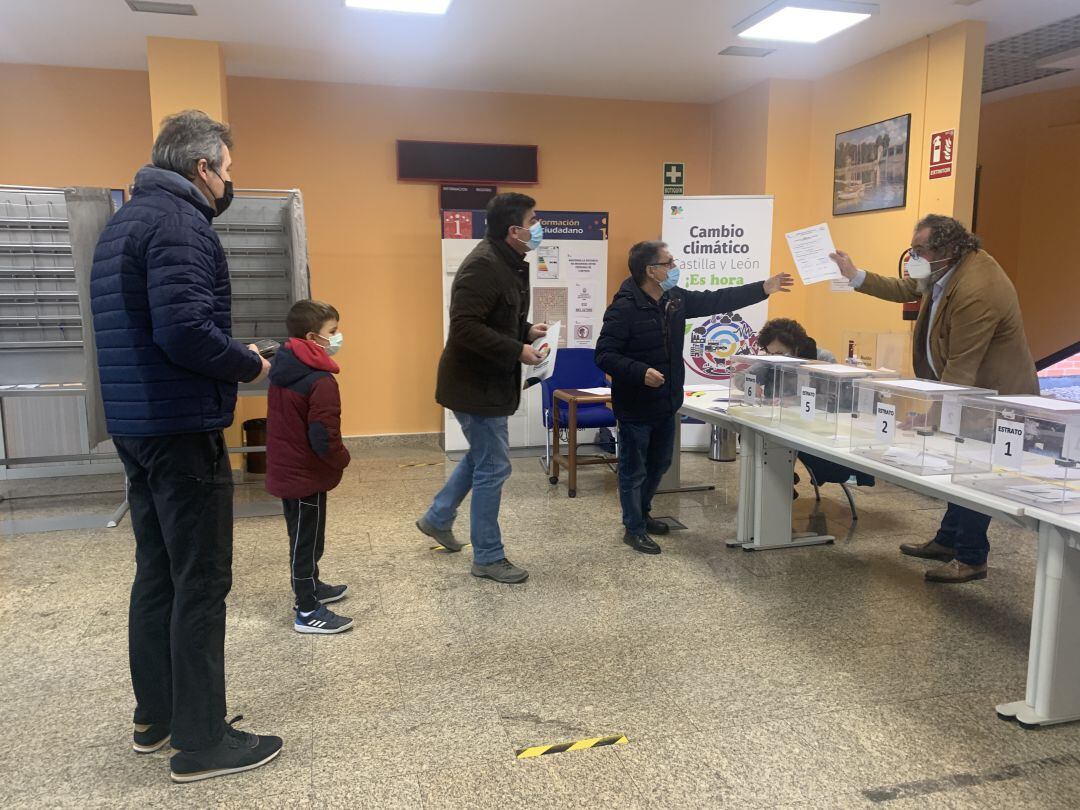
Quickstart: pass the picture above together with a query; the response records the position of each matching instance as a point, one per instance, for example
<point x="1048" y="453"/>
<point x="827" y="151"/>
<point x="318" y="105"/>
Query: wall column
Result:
<point x="185" y="74"/>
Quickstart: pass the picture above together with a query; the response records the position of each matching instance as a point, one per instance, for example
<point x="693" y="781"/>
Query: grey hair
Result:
<point x="949" y="234"/>
<point x="188" y="137"/>
<point x="642" y="256"/>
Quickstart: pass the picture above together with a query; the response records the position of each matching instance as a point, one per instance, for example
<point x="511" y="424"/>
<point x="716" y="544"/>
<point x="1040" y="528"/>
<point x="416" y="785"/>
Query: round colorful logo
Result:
<point x="715" y="341"/>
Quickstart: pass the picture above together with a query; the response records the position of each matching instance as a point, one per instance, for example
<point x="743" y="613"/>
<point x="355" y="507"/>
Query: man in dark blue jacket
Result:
<point x="169" y="371"/>
<point x="641" y="347"/>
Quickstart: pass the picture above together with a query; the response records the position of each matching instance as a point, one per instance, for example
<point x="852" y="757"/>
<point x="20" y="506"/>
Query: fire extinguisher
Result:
<point x="911" y="308"/>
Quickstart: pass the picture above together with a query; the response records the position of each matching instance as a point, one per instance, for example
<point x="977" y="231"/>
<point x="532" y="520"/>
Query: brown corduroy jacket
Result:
<point x="977" y="337"/>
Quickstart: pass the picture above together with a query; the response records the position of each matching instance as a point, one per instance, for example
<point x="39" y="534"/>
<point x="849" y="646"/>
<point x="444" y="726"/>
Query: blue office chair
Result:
<point x="574" y="368"/>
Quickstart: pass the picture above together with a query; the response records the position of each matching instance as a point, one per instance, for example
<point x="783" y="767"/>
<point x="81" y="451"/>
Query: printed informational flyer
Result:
<point x="547" y="262"/>
<point x="551" y="304"/>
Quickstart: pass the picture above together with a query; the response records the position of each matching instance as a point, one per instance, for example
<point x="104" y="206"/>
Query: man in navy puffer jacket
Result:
<point x="169" y="372"/>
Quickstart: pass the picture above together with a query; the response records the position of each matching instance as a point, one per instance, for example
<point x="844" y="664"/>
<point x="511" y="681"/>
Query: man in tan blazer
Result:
<point x="969" y="332"/>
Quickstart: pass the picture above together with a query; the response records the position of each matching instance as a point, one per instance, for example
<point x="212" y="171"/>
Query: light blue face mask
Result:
<point x="672" y="279"/>
<point x="536" y="236"/>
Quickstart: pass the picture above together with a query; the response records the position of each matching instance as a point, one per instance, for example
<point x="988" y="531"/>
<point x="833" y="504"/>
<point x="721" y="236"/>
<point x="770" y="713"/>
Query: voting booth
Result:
<point x="910" y="424"/>
<point x="1024" y="448"/>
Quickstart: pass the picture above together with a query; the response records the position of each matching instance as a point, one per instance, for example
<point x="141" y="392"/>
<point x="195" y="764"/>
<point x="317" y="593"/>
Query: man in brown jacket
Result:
<point x="480" y="378"/>
<point x="969" y="332"/>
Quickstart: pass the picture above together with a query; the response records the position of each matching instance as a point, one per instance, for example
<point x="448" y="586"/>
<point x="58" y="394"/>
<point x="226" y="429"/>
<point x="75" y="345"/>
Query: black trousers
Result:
<point x="305" y="519"/>
<point x="181" y="493"/>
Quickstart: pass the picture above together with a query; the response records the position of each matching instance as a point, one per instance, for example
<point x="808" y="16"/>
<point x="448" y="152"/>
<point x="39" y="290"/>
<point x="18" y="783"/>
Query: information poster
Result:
<point x="719" y="242"/>
<point x="568" y="276"/>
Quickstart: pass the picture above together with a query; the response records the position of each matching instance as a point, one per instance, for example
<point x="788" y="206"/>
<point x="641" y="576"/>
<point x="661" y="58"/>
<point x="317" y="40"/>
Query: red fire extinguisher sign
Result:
<point x="941" y="154"/>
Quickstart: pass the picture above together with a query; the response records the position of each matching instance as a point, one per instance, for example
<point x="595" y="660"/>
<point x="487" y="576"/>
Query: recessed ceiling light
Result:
<point x="803" y="20"/>
<point x="407" y="6"/>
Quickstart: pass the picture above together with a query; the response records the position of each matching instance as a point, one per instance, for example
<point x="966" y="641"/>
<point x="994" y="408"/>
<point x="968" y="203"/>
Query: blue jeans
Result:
<point x="645" y="450"/>
<point x="964" y="530"/>
<point x="483" y="470"/>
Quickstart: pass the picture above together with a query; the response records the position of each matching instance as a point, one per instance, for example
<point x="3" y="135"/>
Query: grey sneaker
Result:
<point x="501" y="571"/>
<point x="444" y="537"/>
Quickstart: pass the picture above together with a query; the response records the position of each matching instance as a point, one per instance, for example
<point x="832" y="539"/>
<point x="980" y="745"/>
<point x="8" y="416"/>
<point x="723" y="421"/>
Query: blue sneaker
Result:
<point x="322" y="620"/>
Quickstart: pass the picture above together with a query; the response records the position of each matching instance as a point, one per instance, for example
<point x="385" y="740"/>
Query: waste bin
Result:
<point x="722" y="444"/>
<point x="255" y="436"/>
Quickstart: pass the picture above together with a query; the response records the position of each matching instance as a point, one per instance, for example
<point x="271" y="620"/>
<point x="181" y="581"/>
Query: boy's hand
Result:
<point x="538" y="330"/>
<point x="653" y="378"/>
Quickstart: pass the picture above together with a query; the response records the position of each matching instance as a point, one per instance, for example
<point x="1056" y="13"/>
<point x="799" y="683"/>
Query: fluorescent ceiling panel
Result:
<point x="803" y="20"/>
<point x="407" y="6"/>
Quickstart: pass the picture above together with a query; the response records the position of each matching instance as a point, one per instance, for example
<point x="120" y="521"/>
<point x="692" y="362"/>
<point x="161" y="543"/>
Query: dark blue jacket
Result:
<point x="640" y="333"/>
<point x="161" y="300"/>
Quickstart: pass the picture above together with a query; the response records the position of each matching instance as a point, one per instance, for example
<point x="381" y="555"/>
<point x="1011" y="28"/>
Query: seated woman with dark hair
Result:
<point x="786" y="336"/>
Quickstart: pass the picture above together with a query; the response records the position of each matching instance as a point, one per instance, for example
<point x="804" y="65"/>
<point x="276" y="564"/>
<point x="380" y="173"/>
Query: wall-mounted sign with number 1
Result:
<point x="1008" y="444"/>
<point x="885" y="426"/>
<point x="807" y="398"/>
<point x="750" y="384"/>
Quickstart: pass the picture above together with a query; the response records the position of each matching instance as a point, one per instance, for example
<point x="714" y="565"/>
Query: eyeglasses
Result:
<point x="918" y="251"/>
<point x="668" y="264"/>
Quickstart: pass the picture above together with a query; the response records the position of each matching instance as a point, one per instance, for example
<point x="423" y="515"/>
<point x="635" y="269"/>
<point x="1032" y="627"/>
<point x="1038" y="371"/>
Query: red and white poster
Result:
<point x="941" y="154"/>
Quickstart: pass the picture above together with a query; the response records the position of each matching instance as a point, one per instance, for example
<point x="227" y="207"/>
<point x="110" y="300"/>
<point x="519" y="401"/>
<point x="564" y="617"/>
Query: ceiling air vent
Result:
<point x="1031" y="55"/>
<point x="152" y="7"/>
<point x="743" y="50"/>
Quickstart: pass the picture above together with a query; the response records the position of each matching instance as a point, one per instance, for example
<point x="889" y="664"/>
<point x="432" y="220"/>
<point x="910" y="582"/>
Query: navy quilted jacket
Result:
<point x="161" y="300"/>
<point x="640" y="333"/>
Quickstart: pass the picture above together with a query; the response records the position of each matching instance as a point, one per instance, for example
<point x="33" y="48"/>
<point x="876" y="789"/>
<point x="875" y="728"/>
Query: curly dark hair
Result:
<point x="791" y="334"/>
<point x="949" y="234"/>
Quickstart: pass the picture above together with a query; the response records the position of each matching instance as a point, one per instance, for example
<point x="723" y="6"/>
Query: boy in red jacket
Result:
<point x="304" y="454"/>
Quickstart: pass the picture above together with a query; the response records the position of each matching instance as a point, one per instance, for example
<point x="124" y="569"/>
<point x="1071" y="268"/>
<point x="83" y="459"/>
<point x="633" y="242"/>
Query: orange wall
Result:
<point x="185" y="74"/>
<point x="64" y="127"/>
<point x="740" y="131"/>
<point x="935" y="79"/>
<point x="373" y="242"/>
<point x="1029" y="209"/>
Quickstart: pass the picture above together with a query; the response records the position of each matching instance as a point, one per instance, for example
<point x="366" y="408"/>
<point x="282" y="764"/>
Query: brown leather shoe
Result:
<point x="928" y="551"/>
<point x="956" y="572"/>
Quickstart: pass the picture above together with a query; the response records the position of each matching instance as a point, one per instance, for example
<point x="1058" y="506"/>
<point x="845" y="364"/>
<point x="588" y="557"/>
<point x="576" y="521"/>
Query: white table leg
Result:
<point x="771" y="472"/>
<point x="1053" y="681"/>
<point x="751" y="442"/>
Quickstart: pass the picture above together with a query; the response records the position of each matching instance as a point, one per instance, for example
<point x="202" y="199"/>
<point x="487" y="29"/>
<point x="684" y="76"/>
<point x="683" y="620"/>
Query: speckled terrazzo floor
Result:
<point x="818" y="677"/>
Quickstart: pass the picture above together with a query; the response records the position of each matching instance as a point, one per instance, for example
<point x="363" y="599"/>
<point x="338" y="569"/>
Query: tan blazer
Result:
<point x="977" y="337"/>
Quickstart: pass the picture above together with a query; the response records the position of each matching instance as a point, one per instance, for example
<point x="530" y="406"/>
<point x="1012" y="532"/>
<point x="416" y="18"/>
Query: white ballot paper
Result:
<point x="548" y="346"/>
<point x="810" y="248"/>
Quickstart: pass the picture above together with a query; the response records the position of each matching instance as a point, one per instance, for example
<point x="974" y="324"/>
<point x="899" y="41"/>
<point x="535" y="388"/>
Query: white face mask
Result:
<point x="919" y="268"/>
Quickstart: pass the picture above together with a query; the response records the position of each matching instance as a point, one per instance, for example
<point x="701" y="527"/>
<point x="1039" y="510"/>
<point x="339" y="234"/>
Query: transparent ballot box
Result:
<point x="910" y="424"/>
<point x="1026" y="449"/>
<point x="756" y="382"/>
<point x="819" y="398"/>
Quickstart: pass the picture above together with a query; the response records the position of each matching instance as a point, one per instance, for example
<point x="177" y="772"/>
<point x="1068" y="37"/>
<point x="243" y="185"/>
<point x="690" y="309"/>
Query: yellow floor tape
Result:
<point x="580" y="745"/>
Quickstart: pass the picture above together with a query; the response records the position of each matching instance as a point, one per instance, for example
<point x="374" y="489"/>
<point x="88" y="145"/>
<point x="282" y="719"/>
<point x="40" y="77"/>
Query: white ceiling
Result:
<point x="663" y="50"/>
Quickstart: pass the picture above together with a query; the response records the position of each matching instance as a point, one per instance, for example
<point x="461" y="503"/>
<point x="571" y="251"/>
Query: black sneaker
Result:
<point x="653" y="526"/>
<point x="329" y="593"/>
<point x="150" y="738"/>
<point x="642" y="543"/>
<point x="501" y="571"/>
<point x="237" y="751"/>
<point x="323" y="620"/>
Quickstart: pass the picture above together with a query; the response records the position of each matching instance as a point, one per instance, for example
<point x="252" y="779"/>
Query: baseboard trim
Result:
<point x="422" y="440"/>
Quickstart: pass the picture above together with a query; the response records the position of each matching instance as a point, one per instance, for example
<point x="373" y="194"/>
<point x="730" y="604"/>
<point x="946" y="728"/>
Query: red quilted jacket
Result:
<point x="304" y="452"/>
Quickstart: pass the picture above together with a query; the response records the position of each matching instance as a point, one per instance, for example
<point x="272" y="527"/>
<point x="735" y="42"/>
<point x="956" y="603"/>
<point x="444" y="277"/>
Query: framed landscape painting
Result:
<point x="871" y="167"/>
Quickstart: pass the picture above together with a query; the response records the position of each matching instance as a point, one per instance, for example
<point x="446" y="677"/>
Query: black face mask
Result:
<point x="222" y="203"/>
